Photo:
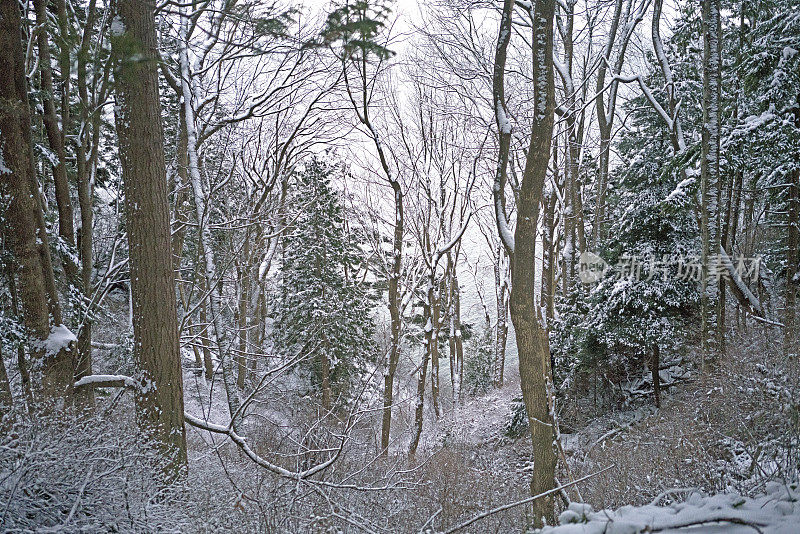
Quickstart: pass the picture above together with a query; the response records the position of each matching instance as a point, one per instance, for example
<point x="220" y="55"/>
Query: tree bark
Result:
<point x="22" y="362"/>
<point x="243" y="313"/>
<point x="390" y="366"/>
<point x="549" y="258"/>
<point x="654" y="368"/>
<point x="6" y="400"/>
<point x="422" y="372"/>
<point x="501" y="336"/>
<point x="159" y="395"/>
<point x="458" y="342"/>
<point x="325" y="366"/>
<point x="532" y="342"/>
<point x="709" y="164"/>
<point x="434" y="350"/>
<point x="208" y="361"/>
<point x="66" y="225"/>
<point x="605" y="118"/>
<point x="86" y="168"/>
<point x="19" y="191"/>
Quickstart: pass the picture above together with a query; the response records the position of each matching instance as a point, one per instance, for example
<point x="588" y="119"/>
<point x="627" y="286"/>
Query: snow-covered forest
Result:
<point x="400" y="266"/>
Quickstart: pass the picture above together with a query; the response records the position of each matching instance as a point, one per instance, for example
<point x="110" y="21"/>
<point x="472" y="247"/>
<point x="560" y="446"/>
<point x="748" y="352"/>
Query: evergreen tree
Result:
<point x="652" y="291"/>
<point x="324" y="315"/>
<point x="649" y="291"/>
<point x="765" y="141"/>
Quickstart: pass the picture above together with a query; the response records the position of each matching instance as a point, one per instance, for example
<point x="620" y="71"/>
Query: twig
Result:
<point x="78" y="499"/>
<point x="523" y="501"/>
<point x="734" y="520"/>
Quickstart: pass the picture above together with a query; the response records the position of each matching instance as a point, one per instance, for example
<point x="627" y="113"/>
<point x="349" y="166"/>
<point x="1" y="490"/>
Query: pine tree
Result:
<point x="324" y="314"/>
<point x="652" y="294"/>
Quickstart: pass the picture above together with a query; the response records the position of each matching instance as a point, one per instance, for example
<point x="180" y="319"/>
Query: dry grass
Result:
<point x="731" y="429"/>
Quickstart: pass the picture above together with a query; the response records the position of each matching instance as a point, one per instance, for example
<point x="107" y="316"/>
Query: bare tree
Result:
<point x="532" y="343"/>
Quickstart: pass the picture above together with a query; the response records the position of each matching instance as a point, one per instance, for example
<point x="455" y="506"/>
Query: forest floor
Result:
<point x="730" y="431"/>
<point x="722" y="431"/>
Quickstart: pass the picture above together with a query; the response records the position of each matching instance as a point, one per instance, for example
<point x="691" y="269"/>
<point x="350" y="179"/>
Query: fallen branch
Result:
<point x="120" y="381"/>
<point x="739" y="288"/>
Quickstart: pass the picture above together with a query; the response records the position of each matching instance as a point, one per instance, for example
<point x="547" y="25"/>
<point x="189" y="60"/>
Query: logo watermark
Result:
<point x="592" y="268"/>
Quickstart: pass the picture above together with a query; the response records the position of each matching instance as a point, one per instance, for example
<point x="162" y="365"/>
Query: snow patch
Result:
<point x="3" y="168"/>
<point x="117" y="26"/>
<point x="60" y="338"/>
<point x="775" y="512"/>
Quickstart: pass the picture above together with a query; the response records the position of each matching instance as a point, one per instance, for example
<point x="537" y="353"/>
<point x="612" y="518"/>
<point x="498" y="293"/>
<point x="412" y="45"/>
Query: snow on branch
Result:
<point x="528" y="500"/>
<point x="241" y="442"/>
<point x="107" y="381"/>
<point x="740" y="286"/>
<point x="60" y="338"/>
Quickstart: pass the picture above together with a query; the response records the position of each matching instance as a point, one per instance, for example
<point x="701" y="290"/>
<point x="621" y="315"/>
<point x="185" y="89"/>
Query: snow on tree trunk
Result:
<point x="422" y="371"/>
<point x="532" y="342"/>
<point x="201" y="201"/>
<point x="709" y="169"/>
<point x="501" y="303"/>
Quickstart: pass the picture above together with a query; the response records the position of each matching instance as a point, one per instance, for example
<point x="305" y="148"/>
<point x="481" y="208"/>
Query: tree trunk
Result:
<point x="41" y="312"/>
<point x="66" y="227"/>
<point x="22" y="362"/>
<point x="183" y="301"/>
<point x="605" y="119"/>
<point x="419" y="411"/>
<point x="64" y="64"/>
<point x="259" y="334"/>
<point x="709" y="164"/>
<point x="458" y="374"/>
<point x="654" y="368"/>
<point x="243" y="313"/>
<point x="451" y="341"/>
<point x="549" y="258"/>
<point x="208" y="361"/>
<point x="201" y="201"/>
<point x="532" y="342"/>
<point x="85" y="179"/>
<point x="159" y="397"/>
<point x="6" y="400"/>
<point x="501" y="336"/>
<point x="792" y="282"/>
<point x="325" y="366"/>
<point x="390" y="366"/>
<point x="434" y="349"/>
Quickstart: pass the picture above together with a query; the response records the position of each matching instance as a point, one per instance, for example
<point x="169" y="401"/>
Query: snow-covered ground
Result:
<point x="777" y="511"/>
